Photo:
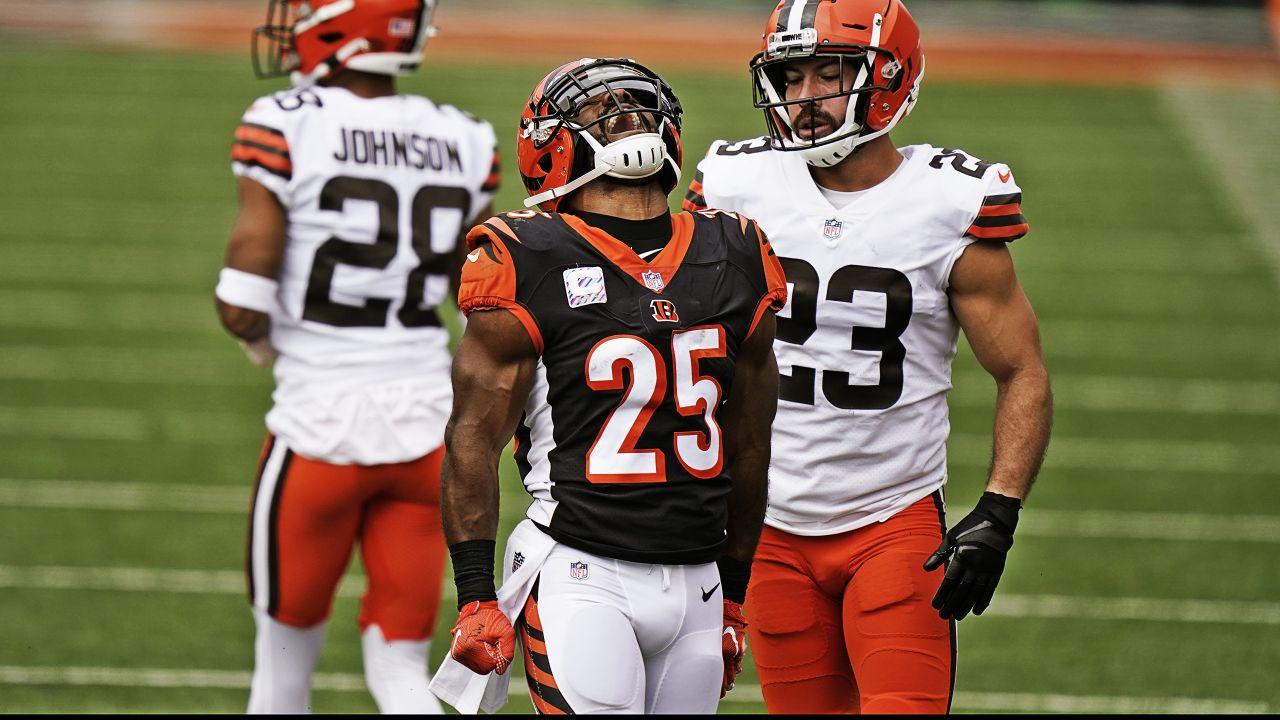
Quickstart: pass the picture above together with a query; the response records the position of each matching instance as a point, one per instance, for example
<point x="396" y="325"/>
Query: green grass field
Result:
<point x="1144" y="578"/>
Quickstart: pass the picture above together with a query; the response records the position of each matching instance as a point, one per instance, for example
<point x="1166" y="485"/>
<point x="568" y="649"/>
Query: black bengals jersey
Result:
<point x="620" y="444"/>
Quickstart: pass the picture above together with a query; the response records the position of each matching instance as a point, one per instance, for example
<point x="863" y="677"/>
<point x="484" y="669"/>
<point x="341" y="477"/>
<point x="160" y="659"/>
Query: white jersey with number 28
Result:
<point x="377" y="193"/>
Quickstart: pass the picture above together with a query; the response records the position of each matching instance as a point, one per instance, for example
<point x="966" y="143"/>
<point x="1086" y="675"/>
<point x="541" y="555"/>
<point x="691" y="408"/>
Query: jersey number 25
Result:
<point x="614" y="457"/>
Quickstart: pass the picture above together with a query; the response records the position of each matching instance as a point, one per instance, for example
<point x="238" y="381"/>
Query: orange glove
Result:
<point x="733" y="643"/>
<point x="483" y="638"/>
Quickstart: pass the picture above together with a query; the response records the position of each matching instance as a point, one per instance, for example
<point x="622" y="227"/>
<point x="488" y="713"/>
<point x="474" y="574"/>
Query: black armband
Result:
<point x="473" y="570"/>
<point x="734" y="576"/>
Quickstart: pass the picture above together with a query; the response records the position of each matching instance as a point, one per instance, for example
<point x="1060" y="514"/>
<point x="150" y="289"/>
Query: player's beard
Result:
<point x="811" y="116"/>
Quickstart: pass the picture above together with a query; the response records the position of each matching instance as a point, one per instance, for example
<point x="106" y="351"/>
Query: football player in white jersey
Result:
<point x="888" y="253"/>
<point x="353" y="199"/>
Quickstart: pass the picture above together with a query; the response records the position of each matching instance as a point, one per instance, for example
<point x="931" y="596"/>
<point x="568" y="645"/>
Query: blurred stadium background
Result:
<point x="1146" y="136"/>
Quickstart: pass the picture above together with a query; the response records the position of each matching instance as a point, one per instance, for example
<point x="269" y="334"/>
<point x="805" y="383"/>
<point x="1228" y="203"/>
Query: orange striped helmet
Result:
<point x="876" y="44"/>
<point x="313" y="39"/>
<point x="559" y="148"/>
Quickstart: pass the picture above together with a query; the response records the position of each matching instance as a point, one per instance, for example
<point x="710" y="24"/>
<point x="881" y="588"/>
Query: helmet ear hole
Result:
<point x="330" y="38"/>
<point x="545" y="163"/>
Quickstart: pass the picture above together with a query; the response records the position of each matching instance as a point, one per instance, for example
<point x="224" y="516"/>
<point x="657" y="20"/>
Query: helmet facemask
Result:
<point x="623" y="121"/>
<point x="273" y="54"/>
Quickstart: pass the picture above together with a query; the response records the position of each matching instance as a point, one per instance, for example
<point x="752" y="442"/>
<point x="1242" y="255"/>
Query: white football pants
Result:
<point x="609" y="636"/>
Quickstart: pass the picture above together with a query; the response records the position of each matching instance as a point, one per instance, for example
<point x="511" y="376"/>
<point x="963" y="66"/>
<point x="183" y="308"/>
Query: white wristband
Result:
<point x="246" y="290"/>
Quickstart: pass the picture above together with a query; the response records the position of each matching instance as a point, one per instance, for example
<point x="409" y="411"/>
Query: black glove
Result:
<point x="980" y="542"/>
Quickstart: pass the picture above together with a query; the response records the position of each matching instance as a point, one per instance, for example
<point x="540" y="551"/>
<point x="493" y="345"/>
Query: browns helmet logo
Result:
<point x="664" y="311"/>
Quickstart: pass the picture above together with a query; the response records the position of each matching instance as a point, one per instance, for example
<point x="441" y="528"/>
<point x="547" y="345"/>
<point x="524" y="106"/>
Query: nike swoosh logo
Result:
<point x="646" y="256"/>
<point x="706" y="594"/>
<point x="1004" y="175"/>
<point x="473" y="256"/>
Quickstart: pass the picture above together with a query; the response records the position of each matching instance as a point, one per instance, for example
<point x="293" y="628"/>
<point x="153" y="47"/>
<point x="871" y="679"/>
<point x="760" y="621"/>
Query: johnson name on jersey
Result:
<point x="620" y="445"/>
<point x="377" y="192"/>
<point x="866" y="340"/>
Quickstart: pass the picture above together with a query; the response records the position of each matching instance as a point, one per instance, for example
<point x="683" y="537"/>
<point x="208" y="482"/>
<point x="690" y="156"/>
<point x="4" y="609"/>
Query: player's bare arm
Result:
<point x="747" y="417"/>
<point x="1001" y="327"/>
<point x="256" y="247"/>
<point x="493" y="370"/>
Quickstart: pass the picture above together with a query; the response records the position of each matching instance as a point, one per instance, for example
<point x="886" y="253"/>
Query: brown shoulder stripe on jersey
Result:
<point x="264" y="128"/>
<point x="263" y="136"/>
<point x="999" y="218"/>
<point x="694" y="200"/>
<point x="492" y="182"/>
<point x="263" y="147"/>
<point x="267" y="160"/>
<point x="1010" y="199"/>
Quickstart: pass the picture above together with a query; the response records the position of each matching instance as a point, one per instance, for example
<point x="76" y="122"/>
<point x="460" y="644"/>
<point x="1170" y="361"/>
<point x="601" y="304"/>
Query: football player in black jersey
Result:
<point x="628" y="350"/>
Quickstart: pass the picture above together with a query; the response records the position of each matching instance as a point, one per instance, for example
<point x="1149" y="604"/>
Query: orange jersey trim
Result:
<point x="254" y="134"/>
<point x="489" y="282"/>
<point x="775" y="297"/>
<point x="1012" y="232"/>
<point x="666" y="263"/>
<point x="267" y="159"/>
<point x="695" y="199"/>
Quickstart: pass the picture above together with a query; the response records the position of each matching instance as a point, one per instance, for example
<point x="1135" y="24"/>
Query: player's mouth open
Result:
<point x="811" y="129"/>
<point x="625" y="124"/>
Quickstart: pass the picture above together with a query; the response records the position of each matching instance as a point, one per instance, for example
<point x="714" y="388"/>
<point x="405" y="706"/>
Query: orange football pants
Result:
<point x="307" y="516"/>
<point x="843" y="623"/>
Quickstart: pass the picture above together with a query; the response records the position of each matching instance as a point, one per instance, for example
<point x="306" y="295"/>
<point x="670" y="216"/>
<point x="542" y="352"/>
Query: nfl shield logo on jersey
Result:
<point x="653" y="280"/>
<point x="578" y="570"/>
<point x="832" y="229"/>
<point x="584" y="286"/>
<point x="517" y="561"/>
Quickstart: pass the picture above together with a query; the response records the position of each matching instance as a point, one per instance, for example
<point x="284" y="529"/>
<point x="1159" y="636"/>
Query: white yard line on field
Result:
<point x="1138" y="394"/>
<point x="742" y="693"/>
<point x="1034" y="703"/>
<point x="1136" y="609"/>
<point x="161" y="497"/>
<point x="966" y="450"/>
<point x="234" y="500"/>
<point x="1237" y="136"/>
<point x="1200" y="527"/>
<point x="151" y="580"/>
<point x="229" y="582"/>
<point x="1076" y="453"/>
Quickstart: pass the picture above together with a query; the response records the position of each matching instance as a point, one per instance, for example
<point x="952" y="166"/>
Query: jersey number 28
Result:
<point x="418" y="310"/>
